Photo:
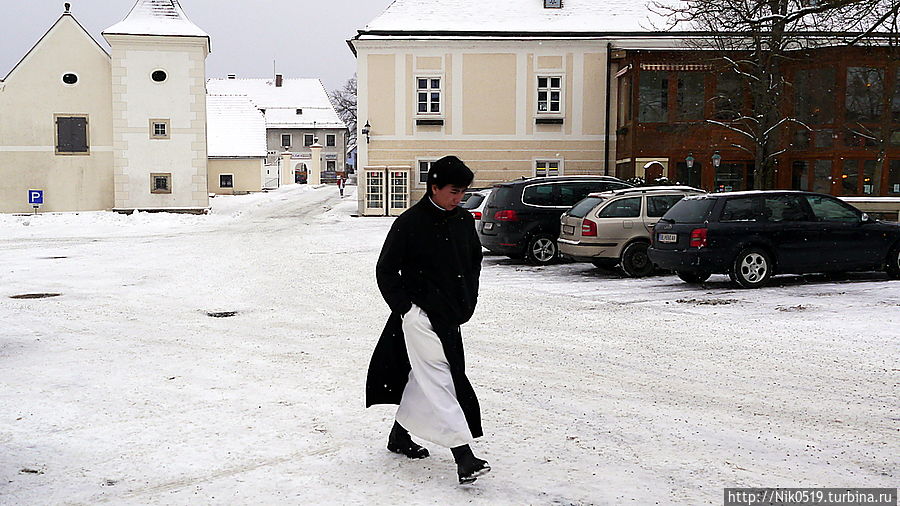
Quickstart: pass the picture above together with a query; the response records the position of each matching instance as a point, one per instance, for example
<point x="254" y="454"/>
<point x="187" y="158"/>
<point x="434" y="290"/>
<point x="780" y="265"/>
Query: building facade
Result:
<point x="845" y="140"/>
<point x="56" y="124"/>
<point x="522" y="88"/>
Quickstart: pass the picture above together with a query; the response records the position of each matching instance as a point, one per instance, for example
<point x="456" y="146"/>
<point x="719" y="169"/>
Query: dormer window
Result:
<point x="553" y="4"/>
<point x="299" y="111"/>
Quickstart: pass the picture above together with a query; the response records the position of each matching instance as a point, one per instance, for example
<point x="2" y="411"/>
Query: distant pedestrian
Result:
<point x="428" y="274"/>
<point x="340" y="184"/>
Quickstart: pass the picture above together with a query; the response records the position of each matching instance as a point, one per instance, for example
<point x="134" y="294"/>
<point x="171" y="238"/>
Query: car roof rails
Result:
<point x="645" y="189"/>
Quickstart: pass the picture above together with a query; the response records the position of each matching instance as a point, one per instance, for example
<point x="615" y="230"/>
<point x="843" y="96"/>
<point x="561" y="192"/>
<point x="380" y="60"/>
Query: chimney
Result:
<point x="232" y="76"/>
<point x="68" y="6"/>
<point x="279" y="79"/>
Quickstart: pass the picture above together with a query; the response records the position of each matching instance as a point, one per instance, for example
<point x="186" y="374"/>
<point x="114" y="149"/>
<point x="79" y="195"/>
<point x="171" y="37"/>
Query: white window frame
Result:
<point x="419" y="176"/>
<point x="557" y="161"/>
<point x="226" y="174"/>
<point x="313" y="141"/>
<point x="429" y="90"/>
<point x="549" y="89"/>
<point x="332" y="139"/>
<point x="290" y="138"/>
<point x="166" y="127"/>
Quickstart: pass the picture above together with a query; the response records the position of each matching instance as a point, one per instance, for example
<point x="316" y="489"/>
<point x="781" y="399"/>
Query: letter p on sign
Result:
<point x="35" y="196"/>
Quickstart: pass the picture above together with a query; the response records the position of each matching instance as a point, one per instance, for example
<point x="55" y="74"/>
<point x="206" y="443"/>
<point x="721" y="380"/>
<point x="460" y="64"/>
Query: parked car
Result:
<point x="753" y="235"/>
<point x="475" y="203"/>
<point x="521" y="218"/>
<point x="616" y="227"/>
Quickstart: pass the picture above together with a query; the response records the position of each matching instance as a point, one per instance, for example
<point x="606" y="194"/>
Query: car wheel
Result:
<point x="693" y="277"/>
<point x="893" y="263"/>
<point x="752" y="268"/>
<point x="635" y="261"/>
<point x="541" y="250"/>
<point x="605" y="263"/>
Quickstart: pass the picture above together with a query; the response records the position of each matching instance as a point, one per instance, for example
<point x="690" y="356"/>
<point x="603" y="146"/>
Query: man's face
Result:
<point x="447" y="197"/>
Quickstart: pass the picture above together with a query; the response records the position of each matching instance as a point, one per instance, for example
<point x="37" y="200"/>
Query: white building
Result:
<point x="159" y="108"/>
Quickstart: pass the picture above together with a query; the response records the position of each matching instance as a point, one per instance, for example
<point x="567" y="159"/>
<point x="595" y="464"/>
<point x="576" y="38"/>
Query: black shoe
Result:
<point x="470" y="471"/>
<point x="409" y="448"/>
<point x="400" y="442"/>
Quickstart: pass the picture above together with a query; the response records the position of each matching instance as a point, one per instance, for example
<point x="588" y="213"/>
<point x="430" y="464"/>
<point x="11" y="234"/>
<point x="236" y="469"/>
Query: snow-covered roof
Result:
<point x="156" y="17"/>
<point x="234" y="127"/>
<point x="615" y="16"/>
<point x="281" y="103"/>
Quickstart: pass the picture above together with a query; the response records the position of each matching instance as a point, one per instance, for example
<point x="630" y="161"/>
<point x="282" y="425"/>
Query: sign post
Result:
<point x="35" y="198"/>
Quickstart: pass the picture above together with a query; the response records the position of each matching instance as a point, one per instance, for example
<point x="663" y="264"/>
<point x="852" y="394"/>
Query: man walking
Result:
<point x="428" y="274"/>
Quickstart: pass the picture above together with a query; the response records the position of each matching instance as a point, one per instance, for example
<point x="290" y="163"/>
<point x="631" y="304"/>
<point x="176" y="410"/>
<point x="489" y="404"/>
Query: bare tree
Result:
<point x="751" y="41"/>
<point x="344" y="102"/>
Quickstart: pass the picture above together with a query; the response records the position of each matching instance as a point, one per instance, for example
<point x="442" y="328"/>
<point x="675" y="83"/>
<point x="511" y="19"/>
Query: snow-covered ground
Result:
<point x="594" y="389"/>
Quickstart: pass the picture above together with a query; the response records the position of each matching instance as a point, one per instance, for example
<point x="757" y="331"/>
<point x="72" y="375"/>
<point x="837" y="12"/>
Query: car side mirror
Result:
<point x="865" y="218"/>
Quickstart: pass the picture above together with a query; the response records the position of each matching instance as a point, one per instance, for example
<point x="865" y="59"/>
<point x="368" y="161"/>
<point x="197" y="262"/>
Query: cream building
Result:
<point x="236" y="133"/>
<point x="95" y="130"/>
<point x="62" y="86"/>
<point x="515" y="88"/>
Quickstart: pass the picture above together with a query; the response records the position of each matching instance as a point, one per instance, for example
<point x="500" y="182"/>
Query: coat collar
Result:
<point x="436" y="211"/>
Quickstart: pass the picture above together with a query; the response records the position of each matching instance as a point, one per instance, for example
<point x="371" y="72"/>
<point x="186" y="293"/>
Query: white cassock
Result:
<point x="429" y="408"/>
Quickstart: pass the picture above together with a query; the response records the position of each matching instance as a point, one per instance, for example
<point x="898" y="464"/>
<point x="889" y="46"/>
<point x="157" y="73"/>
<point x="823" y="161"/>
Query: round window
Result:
<point x="159" y="75"/>
<point x="69" y="78"/>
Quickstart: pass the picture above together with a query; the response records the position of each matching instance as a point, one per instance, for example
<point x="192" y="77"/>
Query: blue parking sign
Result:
<point x="35" y="196"/>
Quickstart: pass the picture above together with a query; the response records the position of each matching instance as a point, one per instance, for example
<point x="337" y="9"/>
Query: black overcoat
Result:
<point x="430" y="258"/>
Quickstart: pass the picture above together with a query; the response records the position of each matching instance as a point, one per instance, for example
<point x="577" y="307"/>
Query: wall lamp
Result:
<point x="716" y="159"/>
<point x="365" y="131"/>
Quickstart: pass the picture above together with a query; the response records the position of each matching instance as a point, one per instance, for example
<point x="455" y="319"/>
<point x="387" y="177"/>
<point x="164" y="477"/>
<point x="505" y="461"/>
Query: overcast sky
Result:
<point x="306" y="38"/>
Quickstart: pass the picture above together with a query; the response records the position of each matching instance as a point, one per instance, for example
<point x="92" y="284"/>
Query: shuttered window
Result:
<point x="72" y="134"/>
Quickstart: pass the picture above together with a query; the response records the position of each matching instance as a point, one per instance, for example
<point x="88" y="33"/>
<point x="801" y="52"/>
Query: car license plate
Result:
<point x="488" y="226"/>
<point x="668" y="237"/>
<point x="568" y="229"/>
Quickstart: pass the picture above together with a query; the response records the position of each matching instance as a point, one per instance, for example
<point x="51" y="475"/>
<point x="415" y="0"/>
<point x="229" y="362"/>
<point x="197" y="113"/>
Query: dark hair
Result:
<point x="448" y="170"/>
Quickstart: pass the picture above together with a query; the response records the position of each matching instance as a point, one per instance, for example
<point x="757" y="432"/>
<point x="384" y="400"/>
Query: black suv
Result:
<point x="753" y="235"/>
<point x="521" y="218"/>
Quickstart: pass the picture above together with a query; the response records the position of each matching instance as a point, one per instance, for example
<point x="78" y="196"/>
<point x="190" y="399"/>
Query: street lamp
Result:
<point x="716" y="159"/>
<point x="689" y="161"/>
<point x="365" y="131"/>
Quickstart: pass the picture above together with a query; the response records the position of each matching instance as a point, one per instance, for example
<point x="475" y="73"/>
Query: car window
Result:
<point x="657" y="205"/>
<point x="742" y="209"/>
<point x="570" y="193"/>
<point x="622" y="208"/>
<point x="784" y="208"/>
<point x="539" y="195"/>
<point x="501" y="196"/>
<point x="583" y="207"/>
<point x="473" y="201"/>
<point x="690" y="210"/>
<point x="831" y="209"/>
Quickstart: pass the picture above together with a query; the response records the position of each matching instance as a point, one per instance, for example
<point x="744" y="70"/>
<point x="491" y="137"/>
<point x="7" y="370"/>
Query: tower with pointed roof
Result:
<point x="159" y="108"/>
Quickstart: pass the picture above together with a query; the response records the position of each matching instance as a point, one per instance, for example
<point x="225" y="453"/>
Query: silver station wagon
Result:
<point x="615" y="228"/>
